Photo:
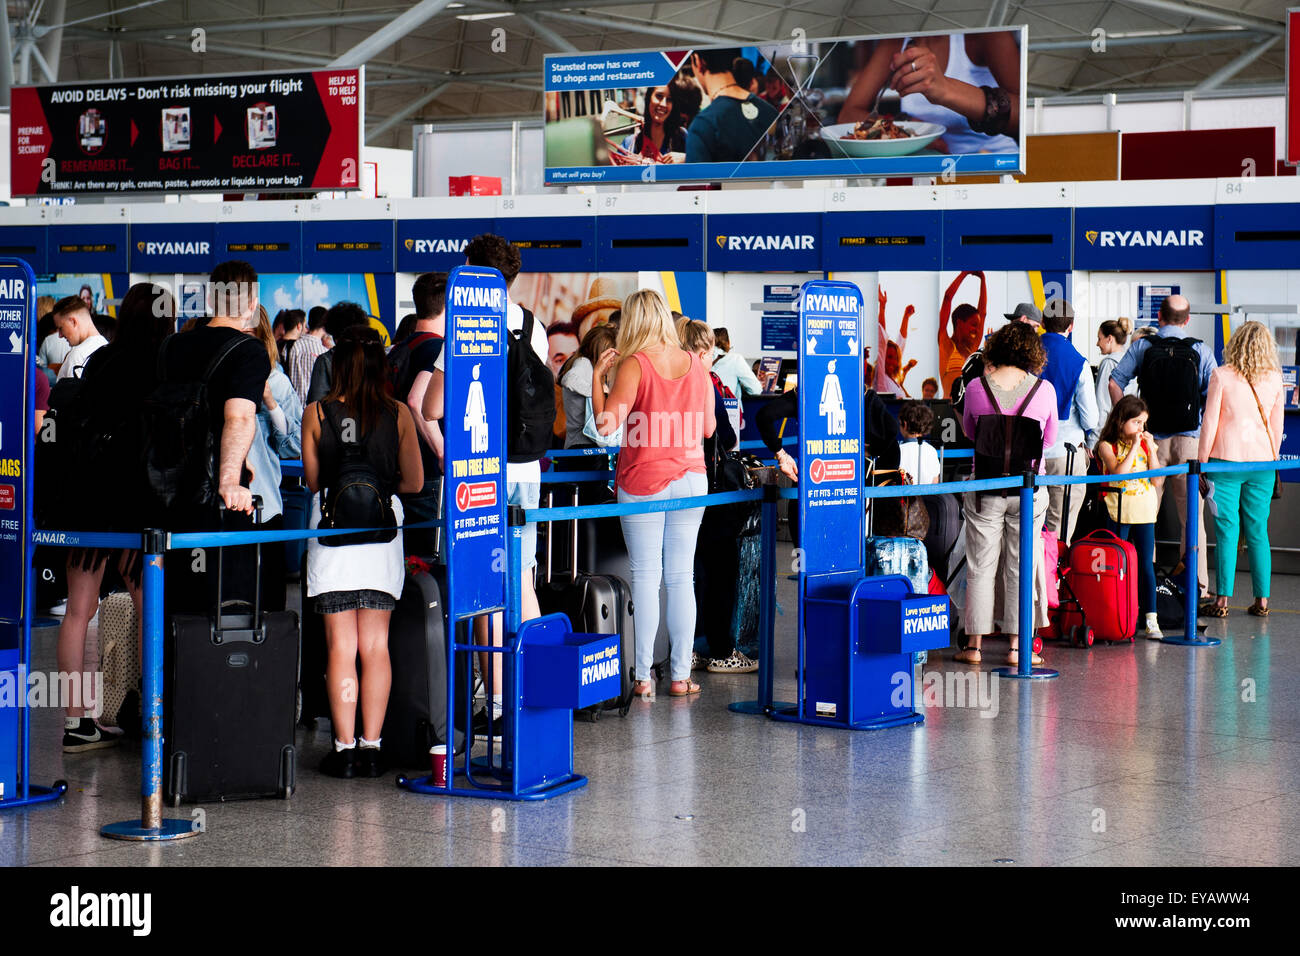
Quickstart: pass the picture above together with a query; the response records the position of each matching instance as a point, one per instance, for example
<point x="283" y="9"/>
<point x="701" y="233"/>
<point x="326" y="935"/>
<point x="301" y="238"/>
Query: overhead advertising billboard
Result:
<point x="899" y="105"/>
<point x="1292" y="81"/>
<point x="252" y="132"/>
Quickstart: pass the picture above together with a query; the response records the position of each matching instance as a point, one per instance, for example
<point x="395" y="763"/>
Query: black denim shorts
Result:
<point x="336" y="602"/>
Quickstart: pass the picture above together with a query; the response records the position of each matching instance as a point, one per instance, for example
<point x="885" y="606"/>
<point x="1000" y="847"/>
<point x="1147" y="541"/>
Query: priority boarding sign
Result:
<point x="474" y="418"/>
<point x="17" y="434"/>
<point x="830" y="426"/>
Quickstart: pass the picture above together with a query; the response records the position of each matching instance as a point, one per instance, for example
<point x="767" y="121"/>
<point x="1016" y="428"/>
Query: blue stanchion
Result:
<point x="1191" y="559"/>
<point x="151" y="826"/>
<point x="566" y="477"/>
<point x="765" y="704"/>
<point x="1024" y="669"/>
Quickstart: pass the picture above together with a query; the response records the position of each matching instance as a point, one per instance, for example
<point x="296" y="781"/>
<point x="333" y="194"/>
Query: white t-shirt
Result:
<point x="54" y="348"/>
<point x="920" y="460"/>
<point x="524" y="471"/>
<point x="78" y="355"/>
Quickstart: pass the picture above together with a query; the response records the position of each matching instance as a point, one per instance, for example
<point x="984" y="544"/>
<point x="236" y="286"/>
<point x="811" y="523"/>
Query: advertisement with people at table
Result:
<point x="923" y="104"/>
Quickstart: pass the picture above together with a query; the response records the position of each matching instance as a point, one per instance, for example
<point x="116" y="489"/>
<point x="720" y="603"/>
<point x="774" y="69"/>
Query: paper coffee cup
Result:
<point x="438" y="753"/>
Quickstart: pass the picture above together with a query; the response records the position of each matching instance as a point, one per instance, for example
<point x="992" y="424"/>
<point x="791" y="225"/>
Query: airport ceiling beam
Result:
<point x="390" y="33"/>
<point x="1210" y="14"/>
<point x="631" y="25"/>
<point x="997" y="13"/>
<point x="1227" y="72"/>
<point x="543" y="32"/>
<point x="1147" y="38"/>
<point x="410" y="108"/>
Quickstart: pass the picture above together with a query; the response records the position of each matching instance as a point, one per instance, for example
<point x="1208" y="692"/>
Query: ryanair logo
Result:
<point x="424" y="246"/>
<point x="174" y="248"/>
<point x="1184" y="238"/>
<point x="764" y="243"/>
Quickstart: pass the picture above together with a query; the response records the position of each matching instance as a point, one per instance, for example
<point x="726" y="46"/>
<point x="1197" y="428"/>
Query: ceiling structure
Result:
<point x="458" y="60"/>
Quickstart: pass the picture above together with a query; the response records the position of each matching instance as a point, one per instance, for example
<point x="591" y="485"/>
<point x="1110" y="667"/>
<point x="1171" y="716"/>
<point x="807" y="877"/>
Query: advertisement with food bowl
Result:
<point x="932" y="104"/>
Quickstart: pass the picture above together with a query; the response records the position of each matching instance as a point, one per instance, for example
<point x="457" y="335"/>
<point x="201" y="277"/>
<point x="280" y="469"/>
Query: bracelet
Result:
<point x="997" y="112"/>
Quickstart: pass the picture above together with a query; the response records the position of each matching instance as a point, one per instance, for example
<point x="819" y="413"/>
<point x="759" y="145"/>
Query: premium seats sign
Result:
<point x="256" y="132"/>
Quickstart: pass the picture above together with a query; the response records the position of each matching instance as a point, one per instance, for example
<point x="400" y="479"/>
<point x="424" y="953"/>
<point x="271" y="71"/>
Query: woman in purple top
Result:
<point x="1013" y="357"/>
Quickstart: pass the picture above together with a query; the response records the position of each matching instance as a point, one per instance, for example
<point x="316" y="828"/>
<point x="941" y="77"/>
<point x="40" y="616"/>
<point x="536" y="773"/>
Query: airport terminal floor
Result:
<point x="1137" y="756"/>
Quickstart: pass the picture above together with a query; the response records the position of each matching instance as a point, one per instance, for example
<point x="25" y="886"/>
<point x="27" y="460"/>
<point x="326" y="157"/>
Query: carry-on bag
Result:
<point x="594" y="604"/>
<point x="231" y="683"/>
<point x="1102" y="575"/>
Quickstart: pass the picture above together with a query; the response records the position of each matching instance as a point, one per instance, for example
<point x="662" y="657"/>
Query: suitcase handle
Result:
<point x="234" y="632"/>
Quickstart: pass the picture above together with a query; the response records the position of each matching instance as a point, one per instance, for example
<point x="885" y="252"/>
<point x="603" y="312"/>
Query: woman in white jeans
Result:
<point x="662" y="397"/>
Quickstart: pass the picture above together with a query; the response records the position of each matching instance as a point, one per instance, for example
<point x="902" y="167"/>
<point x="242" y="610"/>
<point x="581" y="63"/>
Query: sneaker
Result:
<point x="369" y="762"/>
<point x="340" y="763"/>
<point x="59" y="609"/>
<point x="108" y="730"/>
<point x="480" y="726"/>
<point x="86" y="736"/>
<point x="1153" y="632"/>
<point x="737" y="663"/>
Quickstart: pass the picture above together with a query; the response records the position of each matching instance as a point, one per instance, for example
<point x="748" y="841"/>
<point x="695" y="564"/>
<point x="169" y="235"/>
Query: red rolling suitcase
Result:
<point x="1102" y="575"/>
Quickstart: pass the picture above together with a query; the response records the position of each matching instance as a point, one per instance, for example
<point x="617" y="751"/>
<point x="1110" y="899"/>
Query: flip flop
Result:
<point x="967" y="655"/>
<point x="691" y="688"/>
<point x="1210" y="609"/>
<point x="1257" y="611"/>
<point x="645" y="689"/>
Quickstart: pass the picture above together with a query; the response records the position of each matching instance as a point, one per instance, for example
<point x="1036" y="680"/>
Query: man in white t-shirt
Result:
<point x="74" y="323"/>
<point x="916" y="456"/>
<point x="523" y="479"/>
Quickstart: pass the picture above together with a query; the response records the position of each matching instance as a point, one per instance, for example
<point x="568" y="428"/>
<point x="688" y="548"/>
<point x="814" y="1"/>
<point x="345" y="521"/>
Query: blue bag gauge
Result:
<point x="830" y="426"/>
<point x="475" y="454"/>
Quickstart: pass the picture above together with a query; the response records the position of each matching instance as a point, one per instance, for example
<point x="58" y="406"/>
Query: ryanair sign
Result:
<point x="1147" y="237"/>
<point x="765" y="243"/>
<point x="436" y="246"/>
<point x="1144" y="237"/>
<point x="193" y="248"/>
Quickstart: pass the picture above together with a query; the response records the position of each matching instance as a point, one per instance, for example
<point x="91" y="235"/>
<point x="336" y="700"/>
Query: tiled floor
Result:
<point x="1135" y="756"/>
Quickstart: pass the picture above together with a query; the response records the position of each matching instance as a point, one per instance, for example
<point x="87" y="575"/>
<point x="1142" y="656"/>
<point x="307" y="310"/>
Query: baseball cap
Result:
<point x="1026" y="310"/>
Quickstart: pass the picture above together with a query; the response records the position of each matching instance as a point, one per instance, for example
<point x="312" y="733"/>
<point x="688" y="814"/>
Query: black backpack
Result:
<point x="353" y="497"/>
<point x="400" y="375"/>
<point x="1169" y="381"/>
<point x="971" y="370"/>
<point x="180" y="449"/>
<point x="530" y="397"/>
<point x="1007" y="445"/>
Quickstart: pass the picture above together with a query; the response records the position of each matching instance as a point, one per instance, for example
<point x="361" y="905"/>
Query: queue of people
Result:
<point x="322" y="387"/>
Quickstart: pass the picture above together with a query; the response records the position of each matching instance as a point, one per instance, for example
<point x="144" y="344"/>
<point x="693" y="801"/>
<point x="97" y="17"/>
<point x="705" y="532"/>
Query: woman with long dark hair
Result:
<point x="662" y="132"/>
<point x="356" y="586"/>
<point x="114" y="385"/>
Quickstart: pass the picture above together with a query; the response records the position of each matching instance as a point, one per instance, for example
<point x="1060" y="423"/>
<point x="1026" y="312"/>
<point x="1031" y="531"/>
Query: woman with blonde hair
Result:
<point x="1243" y="422"/>
<point x="663" y="397"/>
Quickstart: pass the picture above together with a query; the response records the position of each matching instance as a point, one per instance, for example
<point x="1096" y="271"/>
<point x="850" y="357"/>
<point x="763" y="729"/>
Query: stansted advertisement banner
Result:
<point x="897" y="105"/>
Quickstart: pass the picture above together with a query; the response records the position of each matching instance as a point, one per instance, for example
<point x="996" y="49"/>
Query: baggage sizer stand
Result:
<point x="547" y="670"/>
<point x="857" y="635"/>
<point x="17" y="579"/>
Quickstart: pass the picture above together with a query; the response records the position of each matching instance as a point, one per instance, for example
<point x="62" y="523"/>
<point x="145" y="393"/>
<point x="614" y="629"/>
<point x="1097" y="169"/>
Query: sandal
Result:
<point x="967" y="655"/>
<point x="1257" y="611"/>
<point x="1210" y="609"/>
<point x="645" y="689"/>
<point x="1013" y="658"/>
<point x="683" y="688"/>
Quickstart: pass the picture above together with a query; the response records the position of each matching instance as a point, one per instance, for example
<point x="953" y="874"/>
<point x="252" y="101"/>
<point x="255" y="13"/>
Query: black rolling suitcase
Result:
<point x="417" y="648"/>
<point x="230" y="698"/>
<point x="594" y="604"/>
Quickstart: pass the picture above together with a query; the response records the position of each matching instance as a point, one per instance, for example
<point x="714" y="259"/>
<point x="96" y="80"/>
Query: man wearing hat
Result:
<point x="1076" y="408"/>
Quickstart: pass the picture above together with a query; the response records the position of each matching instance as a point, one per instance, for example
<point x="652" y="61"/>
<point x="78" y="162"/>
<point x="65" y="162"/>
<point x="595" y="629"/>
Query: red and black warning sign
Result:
<point x="252" y="132"/>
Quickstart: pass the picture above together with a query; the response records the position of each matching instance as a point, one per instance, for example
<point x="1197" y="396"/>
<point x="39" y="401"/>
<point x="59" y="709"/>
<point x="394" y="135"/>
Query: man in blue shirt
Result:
<point x="1175" y="447"/>
<point x="734" y="121"/>
<point x="1076" y="400"/>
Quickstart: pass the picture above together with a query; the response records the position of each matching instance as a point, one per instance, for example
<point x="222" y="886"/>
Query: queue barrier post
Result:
<point x="766" y="612"/>
<point x="1191" y="560"/>
<point x="1025" y="612"/>
<point x="152" y="826"/>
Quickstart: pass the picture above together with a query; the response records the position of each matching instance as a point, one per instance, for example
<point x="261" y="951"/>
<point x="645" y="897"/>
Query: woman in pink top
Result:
<point x="1013" y="357"/>
<point x="663" y="399"/>
<point x="1243" y="422"/>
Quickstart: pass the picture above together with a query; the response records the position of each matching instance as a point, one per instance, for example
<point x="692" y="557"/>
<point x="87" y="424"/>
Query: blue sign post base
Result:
<point x="426" y="785"/>
<point x="36" y="795"/>
<point x="1186" y="641"/>
<point x="136" y="831"/>
<point x="791" y="715"/>
<point x="1035" y="673"/>
<point x="756" y="708"/>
